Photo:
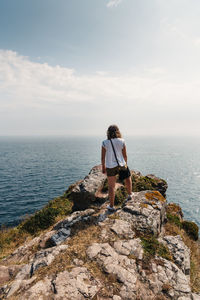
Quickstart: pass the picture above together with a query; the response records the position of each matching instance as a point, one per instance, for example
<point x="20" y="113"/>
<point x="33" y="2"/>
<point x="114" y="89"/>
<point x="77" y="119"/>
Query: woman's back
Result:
<point x="118" y="144"/>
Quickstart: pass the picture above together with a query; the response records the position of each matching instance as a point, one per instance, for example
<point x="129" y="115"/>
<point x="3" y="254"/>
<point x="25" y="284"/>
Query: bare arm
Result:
<point x="124" y="154"/>
<point x="103" y="155"/>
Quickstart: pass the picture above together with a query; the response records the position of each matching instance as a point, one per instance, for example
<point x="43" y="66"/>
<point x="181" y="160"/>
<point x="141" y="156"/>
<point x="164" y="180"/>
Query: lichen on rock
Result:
<point x="96" y="254"/>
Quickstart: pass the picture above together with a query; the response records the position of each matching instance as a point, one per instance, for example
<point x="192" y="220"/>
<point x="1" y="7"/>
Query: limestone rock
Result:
<point x="8" y="272"/>
<point x="122" y="229"/>
<point x="195" y="296"/>
<point x="166" y="272"/>
<point x="77" y="284"/>
<point x="44" y="239"/>
<point x="23" y="253"/>
<point x="39" y="290"/>
<point x="19" y="284"/>
<point x="60" y="236"/>
<point x="116" y="297"/>
<point x="83" y="194"/>
<point x="129" y="247"/>
<point x="24" y="273"/>
<point x="73" y="218"/>
<point x="145" y="211"/>
<point x="117" y="253"/>
<point x="180" y="252"/>
<point x="119" y="265"/>
<point x="45" y="257"/>
<point x="62" y="229"/>
<point x="41" y="258"/>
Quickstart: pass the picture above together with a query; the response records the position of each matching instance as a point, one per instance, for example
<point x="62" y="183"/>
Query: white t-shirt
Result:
<point x="118" y="144"/>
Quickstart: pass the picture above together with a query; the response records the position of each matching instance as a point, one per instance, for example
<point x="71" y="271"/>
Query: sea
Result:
<point x="34" y="170"/>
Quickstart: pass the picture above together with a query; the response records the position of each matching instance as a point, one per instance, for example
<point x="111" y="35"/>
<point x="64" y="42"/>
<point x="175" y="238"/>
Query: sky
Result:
<point x="74" y="67"/>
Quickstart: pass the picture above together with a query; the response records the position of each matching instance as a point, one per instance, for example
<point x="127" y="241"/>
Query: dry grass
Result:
<point x="34" y="225"/>
<point x="10" y="239"/>
<point x="174" y="209"/>
<point x="82" y="238"/>
<point x="114" y="217"/>
<point x="194" y="261"/>
<point x="143" y="205"/>
<point x="83" y="235"/>
<point x="155" y="196"/>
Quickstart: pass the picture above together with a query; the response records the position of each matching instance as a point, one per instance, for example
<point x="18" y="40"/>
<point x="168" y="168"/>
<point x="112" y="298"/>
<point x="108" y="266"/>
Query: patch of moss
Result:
<point x="45" y="217"/>
<point x="191" y="229"/>
<point x="152" y="247"/>
<point x="174" y="219"/>
<point x="164" y="252"/>
<point x="40" y="220"/>
<point x="120" y="195"/>
<point x="61" y="204"/>
<point x="141" y="183"/>
<point x="150" y="244"/>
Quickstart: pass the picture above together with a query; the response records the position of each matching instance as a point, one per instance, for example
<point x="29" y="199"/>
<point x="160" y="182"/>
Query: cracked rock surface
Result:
<point x="180" y="252"/>
<point x="77" y="284"/>
<point x="115" y="266"/>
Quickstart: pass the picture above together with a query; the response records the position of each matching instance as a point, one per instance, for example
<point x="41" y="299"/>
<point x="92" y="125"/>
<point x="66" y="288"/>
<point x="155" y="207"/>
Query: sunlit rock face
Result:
<point x="96" y="254"/>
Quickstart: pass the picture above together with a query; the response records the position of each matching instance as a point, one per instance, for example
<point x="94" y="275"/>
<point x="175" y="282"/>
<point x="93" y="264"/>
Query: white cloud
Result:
<point x="176" y="29"/>
<point x="27" y="86"/>
<point x="113" y="3"/>
<point x="35" y="84"/>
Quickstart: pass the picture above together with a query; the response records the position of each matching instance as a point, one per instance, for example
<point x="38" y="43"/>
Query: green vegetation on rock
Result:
<point x="10" y="238"/>
<point x="153" y="247"/>
<point x="174" y="220"/>
<point x="120" y="195"/>
<point x="174" y="216"/>
<point x="191" y="229"/>
<point x="142" y="183"/>
<point x="105" y="186"/>
<point x="45" y="217"/>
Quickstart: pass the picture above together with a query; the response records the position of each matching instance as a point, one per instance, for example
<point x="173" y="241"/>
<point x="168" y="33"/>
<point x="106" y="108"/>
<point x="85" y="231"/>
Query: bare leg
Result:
<point x="128" y="184"/>
<point x="111" y="189"/>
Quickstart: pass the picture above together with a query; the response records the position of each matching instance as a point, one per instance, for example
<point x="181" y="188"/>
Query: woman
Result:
<point x="109" y="162"/>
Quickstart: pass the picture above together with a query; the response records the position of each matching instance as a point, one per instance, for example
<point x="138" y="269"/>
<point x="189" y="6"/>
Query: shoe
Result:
<point x="128" y="198"/>
<point x="110" y="208"/>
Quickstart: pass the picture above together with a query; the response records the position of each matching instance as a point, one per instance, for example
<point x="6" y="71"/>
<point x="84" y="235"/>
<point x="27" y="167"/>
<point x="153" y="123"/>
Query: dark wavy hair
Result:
<point x="113" y="132"/>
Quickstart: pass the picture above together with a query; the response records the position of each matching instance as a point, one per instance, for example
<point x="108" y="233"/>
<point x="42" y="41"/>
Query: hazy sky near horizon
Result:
<point x="73" y="67"/>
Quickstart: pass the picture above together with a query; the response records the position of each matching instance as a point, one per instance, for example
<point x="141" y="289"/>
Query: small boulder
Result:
<point x="84" y="193"/>
<point x="8" y="272"/>
<point x="145" y="211"/>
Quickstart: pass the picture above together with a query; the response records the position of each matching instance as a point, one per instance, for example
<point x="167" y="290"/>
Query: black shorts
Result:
<point x="113" y="171"/>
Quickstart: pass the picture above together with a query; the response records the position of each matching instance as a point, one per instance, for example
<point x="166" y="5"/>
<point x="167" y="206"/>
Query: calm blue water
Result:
<point x="37" y="169"/>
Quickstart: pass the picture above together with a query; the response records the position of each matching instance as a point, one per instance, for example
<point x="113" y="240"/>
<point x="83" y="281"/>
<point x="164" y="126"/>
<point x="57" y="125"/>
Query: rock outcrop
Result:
<point x="85" y="192"/>
<point x="89" y="191"/>
<point x="97" y="254"/>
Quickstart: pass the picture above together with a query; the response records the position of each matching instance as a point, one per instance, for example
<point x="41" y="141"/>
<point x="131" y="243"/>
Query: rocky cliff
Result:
<point x="144" y="250"/>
